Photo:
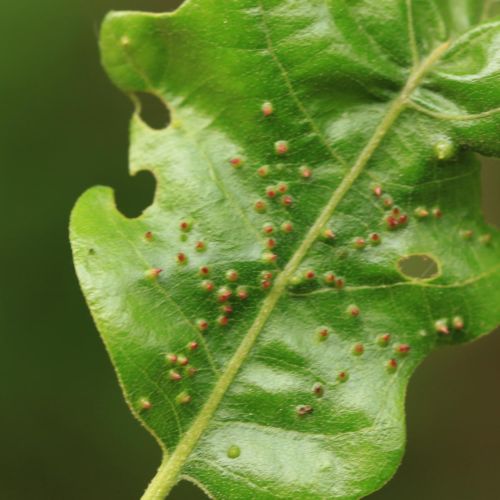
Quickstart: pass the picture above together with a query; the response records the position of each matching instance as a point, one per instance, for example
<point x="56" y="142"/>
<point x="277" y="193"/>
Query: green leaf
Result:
<point x="368" y="113"/>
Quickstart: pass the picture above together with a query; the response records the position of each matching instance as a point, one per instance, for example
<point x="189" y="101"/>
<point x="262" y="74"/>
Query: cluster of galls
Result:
<point x="309" y="277"/>
<point x="181" y="258"/>
<point x="274" y="192"/>
<point x="269" y="230"/>
<point x="423" y="213"/>
<point x="443" y="327"/>
<point x="446" y="327"/>
<point x="396" y="218"/>
<point x="180" y="368"/>
<point x="280" y="191"/>
<point x="322" y="333"/>
<point x="223" y="296"/>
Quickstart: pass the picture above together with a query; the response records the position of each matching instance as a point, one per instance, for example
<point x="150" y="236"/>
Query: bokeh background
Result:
<point x="65" y="432"/>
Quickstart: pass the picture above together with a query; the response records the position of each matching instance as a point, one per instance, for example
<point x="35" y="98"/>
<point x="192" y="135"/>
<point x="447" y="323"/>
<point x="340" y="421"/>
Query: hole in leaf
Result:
<point x="419" y="267"/>
<point x="153" y="111"/>
<point x="135" y="194"/>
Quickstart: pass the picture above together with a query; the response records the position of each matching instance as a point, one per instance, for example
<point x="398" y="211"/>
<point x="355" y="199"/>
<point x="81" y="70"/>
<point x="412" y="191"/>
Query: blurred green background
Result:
<point x="65" y="432"/>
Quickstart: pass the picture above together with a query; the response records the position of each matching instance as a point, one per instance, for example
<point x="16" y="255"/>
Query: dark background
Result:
<point x="65" y="432"/>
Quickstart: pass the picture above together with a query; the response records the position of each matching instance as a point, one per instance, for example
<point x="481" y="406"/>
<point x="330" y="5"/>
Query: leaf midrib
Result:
<point x="168" y="472"/>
